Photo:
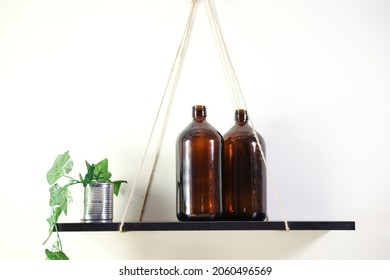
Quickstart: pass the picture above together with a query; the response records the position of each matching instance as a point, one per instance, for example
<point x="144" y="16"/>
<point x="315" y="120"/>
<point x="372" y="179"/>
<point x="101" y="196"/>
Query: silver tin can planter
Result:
<point x="98" y="203"/>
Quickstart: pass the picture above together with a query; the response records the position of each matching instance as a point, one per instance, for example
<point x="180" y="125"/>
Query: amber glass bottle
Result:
<point x="199" y="150"/>
<point x="244" y="174"/>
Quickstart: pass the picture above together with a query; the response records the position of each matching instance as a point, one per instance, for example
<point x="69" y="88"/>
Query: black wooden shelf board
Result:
<point x="209" y="225"/>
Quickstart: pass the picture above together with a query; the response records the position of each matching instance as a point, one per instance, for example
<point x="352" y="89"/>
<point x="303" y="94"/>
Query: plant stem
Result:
<point x="58" y="238"/>
<point x="73" y="181"/>
<point x="53" y="212"/>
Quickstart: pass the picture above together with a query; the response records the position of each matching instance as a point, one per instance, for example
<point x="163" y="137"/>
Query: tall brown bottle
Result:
<point x="244" y="173"/>
<point x="199" y="151"/>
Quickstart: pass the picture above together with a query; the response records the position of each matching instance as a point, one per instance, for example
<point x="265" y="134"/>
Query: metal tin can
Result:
<point x="98" y="202"/>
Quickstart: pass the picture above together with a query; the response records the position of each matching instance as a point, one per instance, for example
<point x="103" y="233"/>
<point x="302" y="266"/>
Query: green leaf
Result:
<point x="53" y="219"/>
<point x="101" y="173"/>
<point x="61" y="166"/>
<point x="60" y="197"/>
<point x="89" y="176"/>
<point x="81" y="179"/>
<point x="117" y="185"/>
<point x="56" y="255"/>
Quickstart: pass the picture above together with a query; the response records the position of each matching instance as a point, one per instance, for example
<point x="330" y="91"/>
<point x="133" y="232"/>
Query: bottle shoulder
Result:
<point x="242" y="132"/>
<point x="200" y="129"/>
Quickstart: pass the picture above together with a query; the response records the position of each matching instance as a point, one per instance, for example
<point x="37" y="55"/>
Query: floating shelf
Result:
<point x="208" y="226"/>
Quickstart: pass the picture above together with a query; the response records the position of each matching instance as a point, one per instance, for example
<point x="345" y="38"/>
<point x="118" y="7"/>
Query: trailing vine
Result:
<point x="60" y="195"/>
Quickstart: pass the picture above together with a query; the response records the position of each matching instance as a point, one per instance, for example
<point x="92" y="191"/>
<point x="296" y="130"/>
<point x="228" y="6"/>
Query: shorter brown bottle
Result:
<point x="199" y="150"/>
<point x="244" y="173"/>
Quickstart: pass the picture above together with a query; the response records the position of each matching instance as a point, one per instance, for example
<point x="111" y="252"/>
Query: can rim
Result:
<point x="96" y="185"/>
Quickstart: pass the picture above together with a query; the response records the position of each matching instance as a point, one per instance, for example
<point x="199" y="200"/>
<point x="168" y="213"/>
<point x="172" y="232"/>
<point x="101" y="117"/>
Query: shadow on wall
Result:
<point x="300" y="162"/>
<point x="223" y="245"/>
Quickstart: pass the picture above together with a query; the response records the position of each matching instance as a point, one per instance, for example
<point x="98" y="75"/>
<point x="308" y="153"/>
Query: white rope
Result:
<point x="227" y="69"/>
<point x="234" y="88"/>
<point x="179" y="63"/>
<point x="176" y="66"/>
<point x="236" y="85"/>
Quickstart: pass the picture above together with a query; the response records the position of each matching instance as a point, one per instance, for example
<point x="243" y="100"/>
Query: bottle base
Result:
<point x="198" y="217"/>
<point x="258" y="216"/>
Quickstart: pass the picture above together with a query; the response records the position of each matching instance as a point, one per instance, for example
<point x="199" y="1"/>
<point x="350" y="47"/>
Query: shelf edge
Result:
<point x="209" y="226"/>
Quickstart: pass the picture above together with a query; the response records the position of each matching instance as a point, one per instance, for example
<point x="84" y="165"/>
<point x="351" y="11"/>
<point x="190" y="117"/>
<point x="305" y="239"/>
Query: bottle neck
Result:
<point x="241" y="116"/>
<point x="199" y="113"/>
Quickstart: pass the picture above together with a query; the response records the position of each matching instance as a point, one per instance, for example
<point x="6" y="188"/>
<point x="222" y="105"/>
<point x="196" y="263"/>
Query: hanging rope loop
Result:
<point x="238" y="94"/>
<point x="171" y="84"/>
<point x="173" y="79"/>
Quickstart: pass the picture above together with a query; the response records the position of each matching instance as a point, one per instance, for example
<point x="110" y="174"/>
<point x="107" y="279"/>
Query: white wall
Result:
<point x="87" y="76"/>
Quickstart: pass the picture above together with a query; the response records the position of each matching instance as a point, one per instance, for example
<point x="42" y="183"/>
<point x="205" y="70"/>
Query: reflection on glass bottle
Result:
<point x="244" y="173"/>
<point x="199" y="150"/>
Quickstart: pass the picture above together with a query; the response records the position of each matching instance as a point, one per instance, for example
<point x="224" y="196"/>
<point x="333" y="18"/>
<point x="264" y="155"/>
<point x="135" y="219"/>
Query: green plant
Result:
<point x="60" y="195"/>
